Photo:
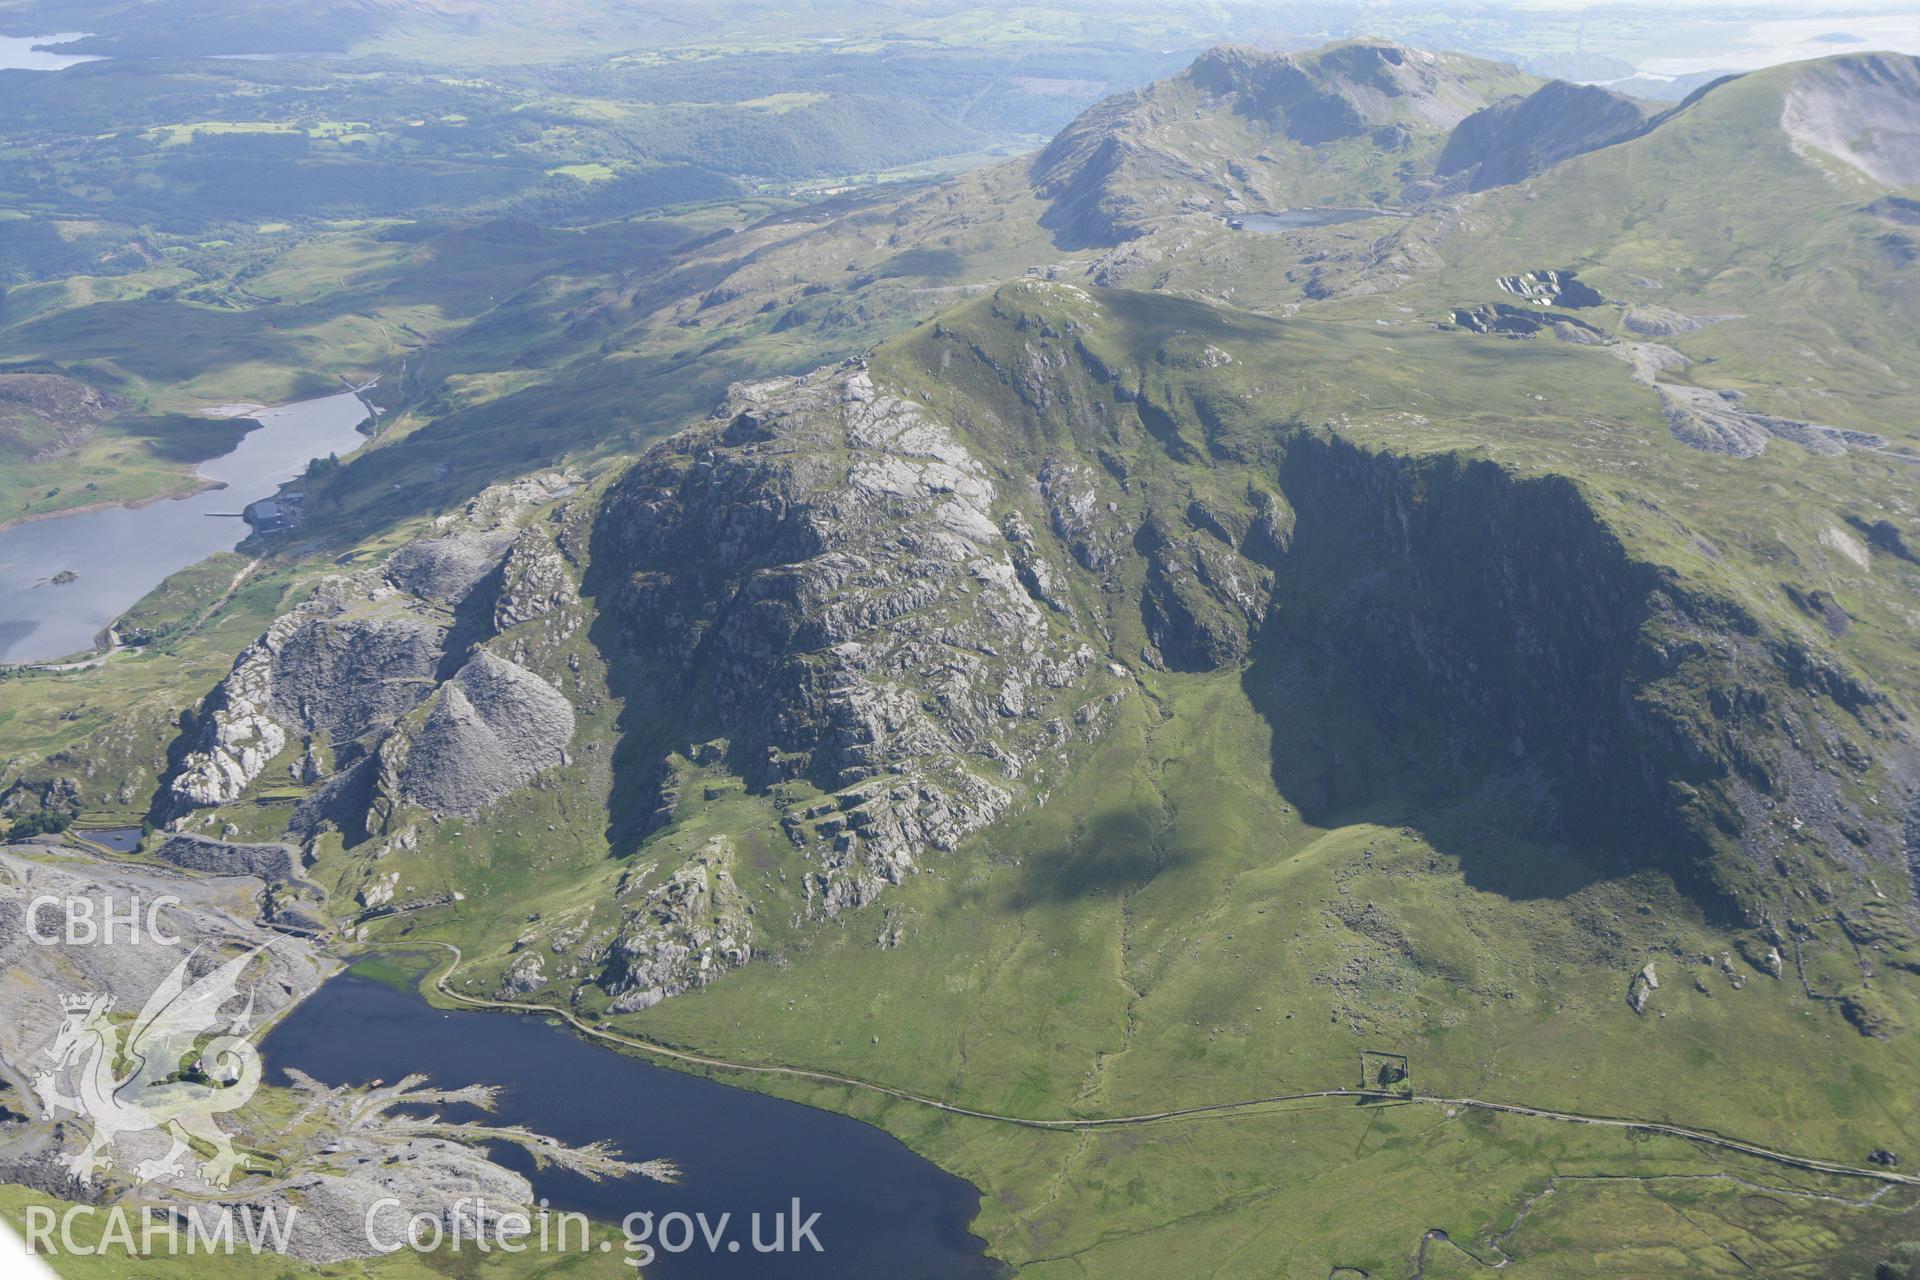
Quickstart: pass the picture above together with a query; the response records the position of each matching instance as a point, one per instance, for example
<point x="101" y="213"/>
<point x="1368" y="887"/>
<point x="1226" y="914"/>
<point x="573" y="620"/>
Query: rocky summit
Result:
<point x="825" y="569"/>
<point x="1244" y="130"/>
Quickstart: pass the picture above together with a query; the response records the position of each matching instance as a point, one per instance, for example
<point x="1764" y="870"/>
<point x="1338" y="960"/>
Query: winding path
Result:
<point x="1705" y="1137"/>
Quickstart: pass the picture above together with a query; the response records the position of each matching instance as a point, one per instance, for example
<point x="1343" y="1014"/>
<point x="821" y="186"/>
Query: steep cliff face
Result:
<point x="896" y="599"/>
<point x="900" y="613"/>
<point x="824" y="590"/>
<point x="1670" y="725"/>
<point x="1509" y="625"/>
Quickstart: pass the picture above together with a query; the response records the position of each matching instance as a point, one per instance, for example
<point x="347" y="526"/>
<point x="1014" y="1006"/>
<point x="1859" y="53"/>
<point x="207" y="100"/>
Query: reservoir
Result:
<point x="118" y="554"/>
<point x="885" y="1213"/>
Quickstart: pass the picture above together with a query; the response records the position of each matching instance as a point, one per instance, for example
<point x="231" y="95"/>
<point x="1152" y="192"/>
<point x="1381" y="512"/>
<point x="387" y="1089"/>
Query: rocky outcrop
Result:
<point x="35" y="797"/>
<point x="1202" y="601"/>
<point x="535" y="583"/>
<point x="686" y="932"/>
<point x="235" y="737"/>
<point x="1659" y="716"/>
<point x="1496" y="619"/>
<point x="527" y="973"/>
<point x="1640" y="990"/>
<point x="1082" y="515"/>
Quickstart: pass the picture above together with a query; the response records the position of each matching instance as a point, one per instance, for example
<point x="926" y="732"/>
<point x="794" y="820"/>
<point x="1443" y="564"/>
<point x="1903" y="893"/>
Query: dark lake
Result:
<point x="118" y="839"/>
<point x="884" y="1212"/>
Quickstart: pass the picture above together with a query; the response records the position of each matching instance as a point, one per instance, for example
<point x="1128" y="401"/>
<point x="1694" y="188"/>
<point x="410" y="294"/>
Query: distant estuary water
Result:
<point x="23" y="53"/>
<point x="884" y="1213"/>
<point x="118" y="554"/>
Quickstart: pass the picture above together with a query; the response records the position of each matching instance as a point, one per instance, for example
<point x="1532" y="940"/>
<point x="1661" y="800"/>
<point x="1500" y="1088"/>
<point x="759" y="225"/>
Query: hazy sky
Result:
<point x="1659" y="37"/>
<point x="1787" y="39"/>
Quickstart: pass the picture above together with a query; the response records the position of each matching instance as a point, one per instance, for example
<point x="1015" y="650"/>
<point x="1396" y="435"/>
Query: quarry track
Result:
<point x="1703" y="1137"/>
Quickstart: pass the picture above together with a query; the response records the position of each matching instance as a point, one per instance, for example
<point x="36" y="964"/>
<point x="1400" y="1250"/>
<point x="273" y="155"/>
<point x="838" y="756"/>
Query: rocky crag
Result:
<point x="826" y="575"/>
<point x="1664" y="719"/>
<point x="401" y="686"/>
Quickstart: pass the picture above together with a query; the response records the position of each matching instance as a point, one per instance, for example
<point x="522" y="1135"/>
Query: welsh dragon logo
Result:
<point x="143" y="1083"/>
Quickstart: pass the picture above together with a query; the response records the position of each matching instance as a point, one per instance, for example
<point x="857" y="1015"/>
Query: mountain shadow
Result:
<point x="1462" y="651"/>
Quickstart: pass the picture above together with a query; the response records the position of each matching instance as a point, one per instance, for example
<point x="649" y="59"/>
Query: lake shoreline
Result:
<point x="884" y="1207"/>
<point x="132" y="504"/>
<point x="121" y="550"/>
<point x="221" y="412"/>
